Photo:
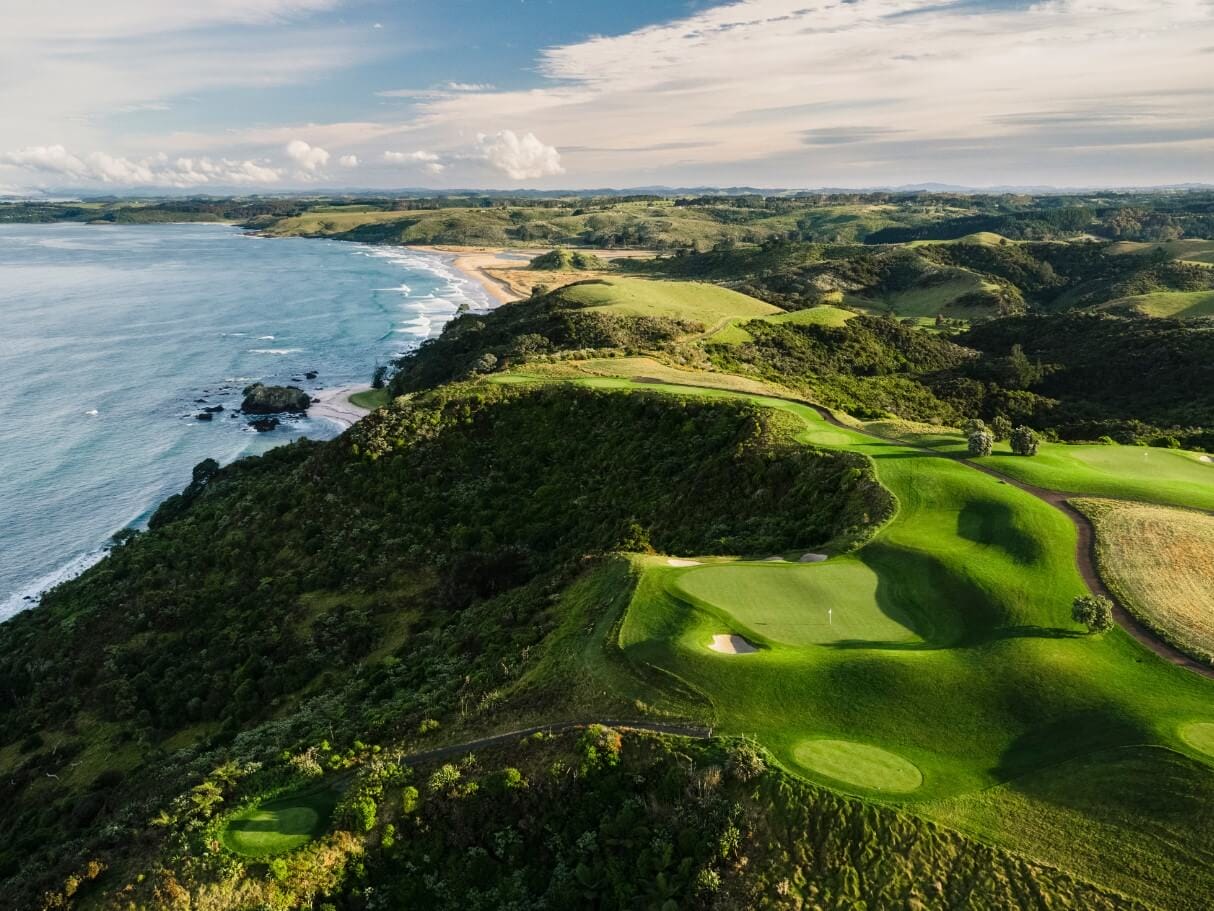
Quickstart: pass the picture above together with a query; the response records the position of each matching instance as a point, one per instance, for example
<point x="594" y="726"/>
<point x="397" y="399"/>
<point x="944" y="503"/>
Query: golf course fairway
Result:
<point x="281" y="825"/>
<point x="949" y="676"/>
<point x="859" y="764"/>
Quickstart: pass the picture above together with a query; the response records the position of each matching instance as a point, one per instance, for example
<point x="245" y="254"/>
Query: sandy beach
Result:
<point x="473" y="263"/>
<point x="335" y="405"/>
<point x="503" y="272"/>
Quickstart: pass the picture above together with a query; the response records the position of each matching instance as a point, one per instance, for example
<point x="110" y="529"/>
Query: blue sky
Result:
<point x="283" y="94"/>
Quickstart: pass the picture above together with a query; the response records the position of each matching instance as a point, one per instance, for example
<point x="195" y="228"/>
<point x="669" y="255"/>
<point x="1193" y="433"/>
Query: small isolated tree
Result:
<point x="1024" y="441"/>
<point x="1093" y="611"/>
<point x="981" y="442"/>
<point x="745" y="761"/>
<point x="972" y="426"/>
<point x="1001" y="428"/>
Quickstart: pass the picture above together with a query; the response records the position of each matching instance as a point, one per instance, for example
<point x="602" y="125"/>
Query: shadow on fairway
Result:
<point x="1070" y="735"/>
<point x="993" y="524"/>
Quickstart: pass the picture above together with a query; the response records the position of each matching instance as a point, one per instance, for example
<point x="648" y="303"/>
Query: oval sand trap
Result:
<point x="813" y="558"/>
<point x="731" y="645"/>
<point x="859" y="764"/>
<point x="675" y="561"/>
<point x="1199" y="735"/>
<point x="1205" y="459"/>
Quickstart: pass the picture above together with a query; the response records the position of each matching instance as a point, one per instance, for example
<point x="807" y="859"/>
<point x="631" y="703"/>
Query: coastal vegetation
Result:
<point x="739" y="576"/>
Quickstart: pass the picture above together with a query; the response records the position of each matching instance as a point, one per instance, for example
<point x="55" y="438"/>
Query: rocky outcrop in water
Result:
<point x="262" y="399"/>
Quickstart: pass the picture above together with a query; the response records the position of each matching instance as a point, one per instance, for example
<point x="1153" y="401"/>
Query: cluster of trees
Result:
<point x="1137" y="217"/>
<point x="402" y="573"/>
<point x="981" y="439"/>
<point x="545" y="324"/>
<point x="607" y="819"/>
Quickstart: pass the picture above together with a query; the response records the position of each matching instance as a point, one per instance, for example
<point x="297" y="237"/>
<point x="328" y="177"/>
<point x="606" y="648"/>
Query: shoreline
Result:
<point x="334" y="405"/>
<point x="473" y="263"/>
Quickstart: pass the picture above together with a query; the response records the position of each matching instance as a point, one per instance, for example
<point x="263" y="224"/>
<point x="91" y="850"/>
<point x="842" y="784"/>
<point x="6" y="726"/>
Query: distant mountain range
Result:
<point x="64" y="194"/>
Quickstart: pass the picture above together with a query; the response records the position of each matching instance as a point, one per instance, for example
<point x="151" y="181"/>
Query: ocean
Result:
<point x="112" y="339"/>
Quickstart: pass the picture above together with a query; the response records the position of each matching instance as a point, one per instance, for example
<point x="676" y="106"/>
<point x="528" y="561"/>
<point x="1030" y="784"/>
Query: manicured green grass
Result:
<point x="1169" y="476"/>
<point x="859" y="765"/>
<point x="707" y="304"/>
<point x="371" y="398"/>
<point x="1200" y="736"/>
<point x="791" y="604"/>
<point x="1173" y="477"/>
<point x="1172" y="304"/>
<point x="1136" y="819"/>
<point x="990" y="692"/>
<point x="280" y="825"/>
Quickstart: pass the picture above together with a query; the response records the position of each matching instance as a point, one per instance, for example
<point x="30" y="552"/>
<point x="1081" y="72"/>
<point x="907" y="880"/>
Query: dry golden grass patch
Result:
<point x="1159" y="561"/>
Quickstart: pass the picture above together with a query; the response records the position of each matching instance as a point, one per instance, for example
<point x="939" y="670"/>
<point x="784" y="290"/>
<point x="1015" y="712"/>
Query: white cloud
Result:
<point x="436" y="92"/>
<point x="919" y="86"/>
<point x="520" y="157"/>
<point x="429" y="162"/>
<point x="310" y="158"/>
<point x="155" y="171"/>
<point x="348" y="161"/>
<point x="66" y="67"/>
<point x="410" y="157"/>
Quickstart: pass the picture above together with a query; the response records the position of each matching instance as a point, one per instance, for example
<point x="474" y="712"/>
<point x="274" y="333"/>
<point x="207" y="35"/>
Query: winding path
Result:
<point x="1085" y="552"/>
<point x="697" y="732"/>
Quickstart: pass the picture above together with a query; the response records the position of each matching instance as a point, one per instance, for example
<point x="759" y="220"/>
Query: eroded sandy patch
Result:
<point x="675" y="561"/>
<point x="812" y="558"/>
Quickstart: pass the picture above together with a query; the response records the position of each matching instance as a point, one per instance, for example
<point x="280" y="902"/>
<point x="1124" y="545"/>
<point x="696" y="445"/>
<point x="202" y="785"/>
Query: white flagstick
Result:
<point x="830" y="619"/>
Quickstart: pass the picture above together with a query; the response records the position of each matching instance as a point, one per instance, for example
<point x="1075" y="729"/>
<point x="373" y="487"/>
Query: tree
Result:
<point x="1001" y="428"/>
<point x="1024" y="441"/>
<point x="972" y="426"/>
<point x="1093" y="611"/>
<point x="745" y="761"/>
<point x="981" y="443"/>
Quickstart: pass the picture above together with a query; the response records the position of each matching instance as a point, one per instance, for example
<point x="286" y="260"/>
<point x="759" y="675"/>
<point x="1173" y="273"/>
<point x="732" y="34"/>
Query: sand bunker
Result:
<point x="675" y="561"/>
<point x="775" y="560"/>
<point x="1204" y="459"/>
<point x="812" y="558"/>
<point x="731" y="645"/>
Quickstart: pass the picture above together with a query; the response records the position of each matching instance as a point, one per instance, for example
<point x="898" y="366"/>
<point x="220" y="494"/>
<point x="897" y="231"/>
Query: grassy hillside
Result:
<point x="962" y="600"/>
<point x="347" y="591"/>
<point x="685" y="301"/>
<point x="1170" y="304"/>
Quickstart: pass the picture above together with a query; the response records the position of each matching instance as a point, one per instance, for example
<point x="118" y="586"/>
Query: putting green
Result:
<point x="1199" y="735"/>
<point x="281" y="825"/>
<point x="859" y="764"/>
<point x="798" y="604"/>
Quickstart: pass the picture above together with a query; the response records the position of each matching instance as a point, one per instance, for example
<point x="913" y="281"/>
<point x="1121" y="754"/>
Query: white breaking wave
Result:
<point x="275" y="350"/>
<point x="93" y="412"/>
<point x="17" y="603"/>
<point x="265" y="338"/>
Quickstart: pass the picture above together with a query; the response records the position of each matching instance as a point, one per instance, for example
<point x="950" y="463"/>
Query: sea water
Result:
<point x="112" y="339"/>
